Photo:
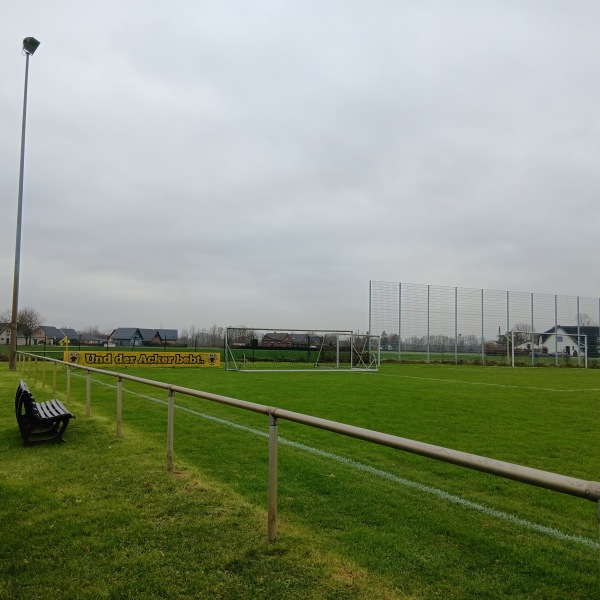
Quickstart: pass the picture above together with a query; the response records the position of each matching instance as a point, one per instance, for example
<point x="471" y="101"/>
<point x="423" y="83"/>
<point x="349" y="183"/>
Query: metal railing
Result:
<point x="588" y="490"/>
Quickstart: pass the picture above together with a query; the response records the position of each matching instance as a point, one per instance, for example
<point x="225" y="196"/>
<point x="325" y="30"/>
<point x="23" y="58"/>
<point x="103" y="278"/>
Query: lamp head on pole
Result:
<point x="30" y="45"/>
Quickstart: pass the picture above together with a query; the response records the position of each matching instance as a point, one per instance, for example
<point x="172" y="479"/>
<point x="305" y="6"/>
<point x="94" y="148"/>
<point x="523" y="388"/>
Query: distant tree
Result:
<point x="187" y="336"/>
<point x="384" y="340"/>
<point x="95" y="330"/>
<point x="29" y="320"/>
<point x="216" y="336"/>
<point x="471" y="343"/>
<point x="415" y="343"/>
<point x="441" y="343"/>
<point x="585" y="320"/>
<point x="523" y="334"/>
<point x="240" y="335"/>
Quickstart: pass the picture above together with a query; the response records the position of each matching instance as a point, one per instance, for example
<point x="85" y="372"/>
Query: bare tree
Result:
<point x="523" y="334"/>
<point x="29" y="320"/>
<point x="585" y="320"/>
<point x="92" y="330"/>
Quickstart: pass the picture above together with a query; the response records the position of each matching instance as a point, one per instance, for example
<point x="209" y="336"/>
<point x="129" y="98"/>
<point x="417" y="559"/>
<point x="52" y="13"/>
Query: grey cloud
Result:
<point x="240" y="163"/>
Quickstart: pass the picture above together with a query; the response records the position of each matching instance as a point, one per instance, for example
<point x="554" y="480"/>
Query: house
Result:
<point x="135" y="336"/>
<point x="49" y="335"/>
<point x="305" y="340"/>
<point x="567" y="340"/>
<point x="147" y="336"/>
<point x="276" y="340"/>
<point x="166" y="336"/>
<point x="89" y="339"/>
<point x="5" y="335"/>
<point x="126" y="336"/>
<point x="529" y="342"/>
<point x="70" y="334"/>
<point x="290" y="340"/>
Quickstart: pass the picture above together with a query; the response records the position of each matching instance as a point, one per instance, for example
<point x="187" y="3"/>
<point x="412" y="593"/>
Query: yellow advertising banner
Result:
<point x="107" y="358"/>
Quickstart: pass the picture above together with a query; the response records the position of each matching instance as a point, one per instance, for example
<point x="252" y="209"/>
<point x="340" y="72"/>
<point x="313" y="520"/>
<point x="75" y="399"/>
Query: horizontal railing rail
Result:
<point x="589" y="490"/>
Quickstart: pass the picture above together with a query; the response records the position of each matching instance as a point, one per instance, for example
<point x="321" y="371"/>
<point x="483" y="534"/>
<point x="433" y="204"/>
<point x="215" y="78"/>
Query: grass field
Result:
<point x="356" y="520"/>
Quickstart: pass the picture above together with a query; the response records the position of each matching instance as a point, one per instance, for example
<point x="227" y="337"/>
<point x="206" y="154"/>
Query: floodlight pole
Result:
<point x="29" y="47"/>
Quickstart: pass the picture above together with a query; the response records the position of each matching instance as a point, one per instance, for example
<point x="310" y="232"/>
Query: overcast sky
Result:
<point x="257" y="162"/>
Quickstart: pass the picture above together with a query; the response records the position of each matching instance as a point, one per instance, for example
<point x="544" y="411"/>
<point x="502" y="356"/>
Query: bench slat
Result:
<point x="43" y="413"/>
<point x="52" y="409"/>
<point x="48" y="410"/>
<point x="59" y="407"/>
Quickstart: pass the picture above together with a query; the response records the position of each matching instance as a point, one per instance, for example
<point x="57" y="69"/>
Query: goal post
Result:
<point x="266" y="349"/>
<point x="549" y="346"/>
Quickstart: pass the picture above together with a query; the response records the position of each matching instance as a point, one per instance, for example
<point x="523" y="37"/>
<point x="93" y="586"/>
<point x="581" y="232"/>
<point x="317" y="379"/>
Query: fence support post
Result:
<point x="273" y="451"/>
<point x="35" y="372"/>
<point x="43" y="374"/>
<point x="119" y="405"/>
<point x="54" y="379"/>
<point x="88" y="394"/>
<point x="170" y="430"/>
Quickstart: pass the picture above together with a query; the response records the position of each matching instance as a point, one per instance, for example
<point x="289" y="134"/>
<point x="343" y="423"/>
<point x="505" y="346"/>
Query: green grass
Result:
<point x="100" y="517"/>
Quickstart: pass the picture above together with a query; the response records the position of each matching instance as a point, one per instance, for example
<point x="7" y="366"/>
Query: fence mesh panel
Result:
<point x="451" y="324"/>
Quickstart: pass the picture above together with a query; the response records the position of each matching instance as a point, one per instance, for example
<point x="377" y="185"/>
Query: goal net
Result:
<point x="252" y="349"/>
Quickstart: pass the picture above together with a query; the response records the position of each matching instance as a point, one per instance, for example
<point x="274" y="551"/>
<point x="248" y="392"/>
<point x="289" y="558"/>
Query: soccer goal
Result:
<point x="550" y="346"/>
<point x="253" y="349"/>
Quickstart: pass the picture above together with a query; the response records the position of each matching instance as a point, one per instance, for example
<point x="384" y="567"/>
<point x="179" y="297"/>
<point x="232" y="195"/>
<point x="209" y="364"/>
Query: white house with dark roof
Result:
<point x="567" y="340"/>
<point x="5" y="335"/>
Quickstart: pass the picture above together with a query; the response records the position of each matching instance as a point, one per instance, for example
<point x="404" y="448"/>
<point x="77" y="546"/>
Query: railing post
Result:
<point x="43" y="374"/>
<point x="170" y="429"/>
<point x="54" y="379"/>
<point x="119" y="405"/>
<point x="273" y="451"/>
<point x="35" y="371"/>
<point x="599" y="536"/>
<point x="88" y="394"/>
<point x="68" y="384"/>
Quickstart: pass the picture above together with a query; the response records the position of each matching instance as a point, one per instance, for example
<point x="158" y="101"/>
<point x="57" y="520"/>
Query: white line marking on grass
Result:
<point x="483" y="383"/>
<point x="451" y="498"/>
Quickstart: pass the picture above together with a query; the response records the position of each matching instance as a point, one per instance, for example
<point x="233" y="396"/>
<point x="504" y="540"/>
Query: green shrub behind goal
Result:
<point x="253" y="349"/>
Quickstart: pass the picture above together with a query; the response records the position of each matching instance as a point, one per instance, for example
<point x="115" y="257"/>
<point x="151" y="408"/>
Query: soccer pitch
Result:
<point x="423" y="527"/>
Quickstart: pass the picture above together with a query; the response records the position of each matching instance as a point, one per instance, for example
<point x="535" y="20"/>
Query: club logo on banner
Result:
<point x="143" y="359"/>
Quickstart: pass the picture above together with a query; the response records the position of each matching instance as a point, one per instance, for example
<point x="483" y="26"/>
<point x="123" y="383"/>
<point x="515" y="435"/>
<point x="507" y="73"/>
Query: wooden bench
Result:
<point x="40" y="421"/>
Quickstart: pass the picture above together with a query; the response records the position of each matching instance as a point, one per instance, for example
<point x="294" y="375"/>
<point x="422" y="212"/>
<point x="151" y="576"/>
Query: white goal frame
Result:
<point x="303" y="350"/>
